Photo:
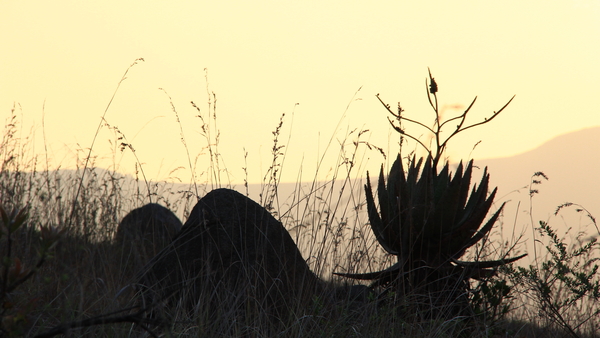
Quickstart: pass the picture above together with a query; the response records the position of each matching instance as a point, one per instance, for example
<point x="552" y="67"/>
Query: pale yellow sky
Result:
<point x="263" y="57"/>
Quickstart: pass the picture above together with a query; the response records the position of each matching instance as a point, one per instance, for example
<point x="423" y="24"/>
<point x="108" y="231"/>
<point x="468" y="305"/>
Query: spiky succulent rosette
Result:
<point x="429" y="220"/>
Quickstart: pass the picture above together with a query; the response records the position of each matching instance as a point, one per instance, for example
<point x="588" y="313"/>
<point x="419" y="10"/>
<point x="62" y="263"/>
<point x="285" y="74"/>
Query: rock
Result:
<point x="232" y="258"/>
<point x="145" y="231"/>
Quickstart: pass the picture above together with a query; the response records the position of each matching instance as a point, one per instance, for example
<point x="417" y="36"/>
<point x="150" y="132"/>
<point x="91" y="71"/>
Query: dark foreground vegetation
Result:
<point x="412" y="255"/>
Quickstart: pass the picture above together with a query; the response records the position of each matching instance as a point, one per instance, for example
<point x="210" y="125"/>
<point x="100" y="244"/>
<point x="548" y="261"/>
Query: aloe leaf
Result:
<point x="488" y="264"/>
<point x="463" y="238"/>
<point x="440" y="183"/>
<point x="453" y="204"/>
<point x="397" y="182"/>
<point x="375" y="219"/>
<point x="478" y="215"/>
<point x="396" y="175"/>
<point x="466" y="182"/>
<point x="478" y="201"/>
<point x="484" y="230"/>
<point x="447" y="206"/>
<point x="464" y="193"/>
<point x="384" y="199"/>
<point x="423" y="194"/>
<point x="483" y="187"/>
<point x="463" y="235"/>
<point x="389" y="214"/>
<point x="434" y="222"/>
<point x="413" y="173"/>
<point x="401" y="185"/>
<point x="394" y="190"/>
<point x="392" y="271"/>
<point x="485" y="269"/>
<point x="478" y="196"/>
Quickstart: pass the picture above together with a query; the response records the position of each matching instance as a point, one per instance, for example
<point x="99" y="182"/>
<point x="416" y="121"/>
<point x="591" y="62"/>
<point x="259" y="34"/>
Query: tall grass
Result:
<point x="84" y="281"/>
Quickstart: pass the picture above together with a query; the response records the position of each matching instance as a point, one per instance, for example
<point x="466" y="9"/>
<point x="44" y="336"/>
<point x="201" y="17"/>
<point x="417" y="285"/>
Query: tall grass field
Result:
<point x="63" y="273"/>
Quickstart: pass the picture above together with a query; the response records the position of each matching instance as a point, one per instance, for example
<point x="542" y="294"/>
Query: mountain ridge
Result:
<point x="570" y="161"/>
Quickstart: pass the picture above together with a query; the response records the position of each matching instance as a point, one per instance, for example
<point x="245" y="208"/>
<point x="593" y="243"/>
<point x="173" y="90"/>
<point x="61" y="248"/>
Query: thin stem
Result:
<point x="486" y="120"/>
<point x="397" y="116"/>
<point x="411" y="137"/>
<point x="89" y="155"/>
<point x="440" y="145"/>
<point x="463" y="116"/>
<point x="187" y="151"/>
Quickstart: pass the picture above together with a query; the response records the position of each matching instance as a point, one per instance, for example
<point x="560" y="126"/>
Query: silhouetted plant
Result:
<point x="565" y="286"/>
<point x="428" y="219"/>
<point x="15" y="316"/>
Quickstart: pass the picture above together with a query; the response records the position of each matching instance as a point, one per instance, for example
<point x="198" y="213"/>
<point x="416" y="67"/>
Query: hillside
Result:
<point x="570" y="162"/>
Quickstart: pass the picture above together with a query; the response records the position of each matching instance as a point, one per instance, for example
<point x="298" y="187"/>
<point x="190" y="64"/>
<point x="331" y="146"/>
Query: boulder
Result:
<point x="145" y="231"/>
<point x="232" y="259"/>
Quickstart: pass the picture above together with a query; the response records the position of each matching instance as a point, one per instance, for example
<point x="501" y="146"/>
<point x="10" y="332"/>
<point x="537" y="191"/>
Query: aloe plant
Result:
<point x="429" y="218"/>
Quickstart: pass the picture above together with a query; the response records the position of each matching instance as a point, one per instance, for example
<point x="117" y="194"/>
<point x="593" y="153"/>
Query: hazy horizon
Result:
<point x="571" y="179"/>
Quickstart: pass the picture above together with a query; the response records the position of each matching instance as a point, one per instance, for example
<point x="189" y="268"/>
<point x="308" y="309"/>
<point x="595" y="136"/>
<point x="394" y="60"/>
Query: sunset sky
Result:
<point x="62" y="60"/>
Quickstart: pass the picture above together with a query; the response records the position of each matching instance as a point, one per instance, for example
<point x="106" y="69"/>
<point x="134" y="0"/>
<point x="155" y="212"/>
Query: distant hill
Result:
<point x="571" y="162"/>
